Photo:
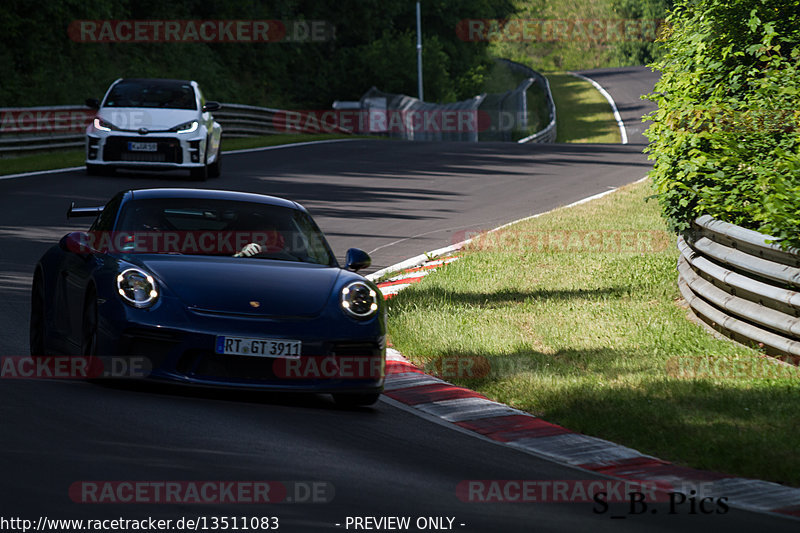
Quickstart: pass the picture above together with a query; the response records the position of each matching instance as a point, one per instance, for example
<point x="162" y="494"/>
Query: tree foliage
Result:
<point x="375" y="44"/>
<point x="726" y="135"/>
<point x="572" y="51"/>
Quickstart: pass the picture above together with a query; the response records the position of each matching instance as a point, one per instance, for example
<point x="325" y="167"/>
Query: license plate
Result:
<point x="276" y="348"/>
<point x="142" y="147"/>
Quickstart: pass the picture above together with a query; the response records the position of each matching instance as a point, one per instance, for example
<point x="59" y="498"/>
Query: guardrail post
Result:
<point x="742" y="284"/>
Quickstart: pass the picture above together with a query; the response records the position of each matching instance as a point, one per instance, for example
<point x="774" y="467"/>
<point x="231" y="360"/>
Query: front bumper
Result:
<point x="333" y="358"/>
<point x="173" y="151"/>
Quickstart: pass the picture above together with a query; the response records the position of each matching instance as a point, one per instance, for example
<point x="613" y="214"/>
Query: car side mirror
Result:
<point x="76" y="242"/>
<point x="211" y="106"/>
<point x="356" y="259"/>
<point x="94" y="103"/>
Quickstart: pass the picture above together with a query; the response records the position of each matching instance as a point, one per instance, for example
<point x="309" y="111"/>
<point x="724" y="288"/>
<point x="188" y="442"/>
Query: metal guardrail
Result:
<point x="486" y="117"/>
<point x="239" y="120"/>
<point x="405" y="117"/>
<point x="548" y="133"/>
<point x="28" y="129"/>
<point x="31" y="129"/>
<point x="21" y="144"/>
<point x="742" y="284"/>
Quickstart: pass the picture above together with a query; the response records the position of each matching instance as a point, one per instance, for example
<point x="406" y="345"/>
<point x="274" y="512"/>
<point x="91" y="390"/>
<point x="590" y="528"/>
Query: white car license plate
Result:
<point x="277" y="348"/>
<point x="142" y="147"/>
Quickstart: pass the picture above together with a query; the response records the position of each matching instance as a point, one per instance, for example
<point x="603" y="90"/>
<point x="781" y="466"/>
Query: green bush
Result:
<point x="577" y="53"/>
<point x="726" y="135"/>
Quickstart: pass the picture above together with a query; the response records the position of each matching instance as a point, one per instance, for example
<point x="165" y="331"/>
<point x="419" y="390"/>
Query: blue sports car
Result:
<point x="214" y="288"/>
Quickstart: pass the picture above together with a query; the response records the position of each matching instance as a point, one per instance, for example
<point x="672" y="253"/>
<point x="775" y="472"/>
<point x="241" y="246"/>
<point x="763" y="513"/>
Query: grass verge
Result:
<point x="584" y="115"/>
<point x="75" y="158"/>
<point x="574" y="317"/>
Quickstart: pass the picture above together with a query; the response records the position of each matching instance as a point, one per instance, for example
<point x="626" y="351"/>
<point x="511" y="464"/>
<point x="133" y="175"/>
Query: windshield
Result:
<point x="220" y="227"/>
<point x="152" y="93"/>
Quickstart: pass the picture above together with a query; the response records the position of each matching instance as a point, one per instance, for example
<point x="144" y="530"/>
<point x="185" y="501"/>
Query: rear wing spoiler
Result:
<point x="74" y="212"/>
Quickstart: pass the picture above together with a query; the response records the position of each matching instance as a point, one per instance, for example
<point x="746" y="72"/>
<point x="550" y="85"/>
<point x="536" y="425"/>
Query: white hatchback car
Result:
<point x="154" y="124"/>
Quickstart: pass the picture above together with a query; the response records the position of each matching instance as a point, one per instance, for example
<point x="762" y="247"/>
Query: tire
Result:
<point x="359" y="399"/>
<point x="37" y="323"/>
<point x="89" y="325"/>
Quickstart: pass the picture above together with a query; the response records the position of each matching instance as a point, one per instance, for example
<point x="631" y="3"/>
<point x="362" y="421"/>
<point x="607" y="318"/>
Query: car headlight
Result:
<point x="186" y="127"/>
<point x="103" y="125"/>
<point x="137" y="288"/>
<point x="359" y="300"/>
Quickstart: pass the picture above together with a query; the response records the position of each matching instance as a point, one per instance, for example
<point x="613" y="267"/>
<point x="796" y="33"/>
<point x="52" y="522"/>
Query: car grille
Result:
<point x="356" y="349"/>
<point x="207" y="364"/>
<point x="168" y="151"/>
<point x="239" y="367"/>
<point x="202" y="363"/>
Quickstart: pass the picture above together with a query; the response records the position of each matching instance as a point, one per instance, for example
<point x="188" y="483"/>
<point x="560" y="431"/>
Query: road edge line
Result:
<point x="622" y="131"/>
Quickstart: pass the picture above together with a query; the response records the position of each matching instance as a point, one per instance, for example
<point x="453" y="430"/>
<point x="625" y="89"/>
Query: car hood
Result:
<point x="133" y="118"/>
<point x="231" y="285"/>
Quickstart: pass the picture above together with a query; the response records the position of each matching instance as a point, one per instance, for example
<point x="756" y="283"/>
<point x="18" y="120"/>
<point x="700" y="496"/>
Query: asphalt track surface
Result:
<point x="394" y="199"/>
<point x="626" y="85"/>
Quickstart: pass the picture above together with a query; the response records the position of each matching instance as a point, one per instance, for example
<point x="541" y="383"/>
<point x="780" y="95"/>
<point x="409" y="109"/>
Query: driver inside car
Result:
<point x="249" y="250"/>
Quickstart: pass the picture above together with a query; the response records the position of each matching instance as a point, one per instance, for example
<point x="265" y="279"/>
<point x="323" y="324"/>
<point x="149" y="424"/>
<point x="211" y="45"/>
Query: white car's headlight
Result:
<point x="186" y="127"/>
<point x="359" y="300"/>
<point x="137" y="288"/>
<point x="103" y="125"/>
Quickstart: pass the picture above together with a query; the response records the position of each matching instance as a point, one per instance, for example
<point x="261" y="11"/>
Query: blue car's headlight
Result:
<point x="359" y="300"/>
<point x="186" y="127"/>
<point x="137" y="288"/>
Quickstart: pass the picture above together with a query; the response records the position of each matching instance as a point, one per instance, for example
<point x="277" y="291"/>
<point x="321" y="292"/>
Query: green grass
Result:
<point x="75" y="158"/>
<point x="583" y="114"/>
<point x="42" y="161"/>
<point x="586" y="330"/>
